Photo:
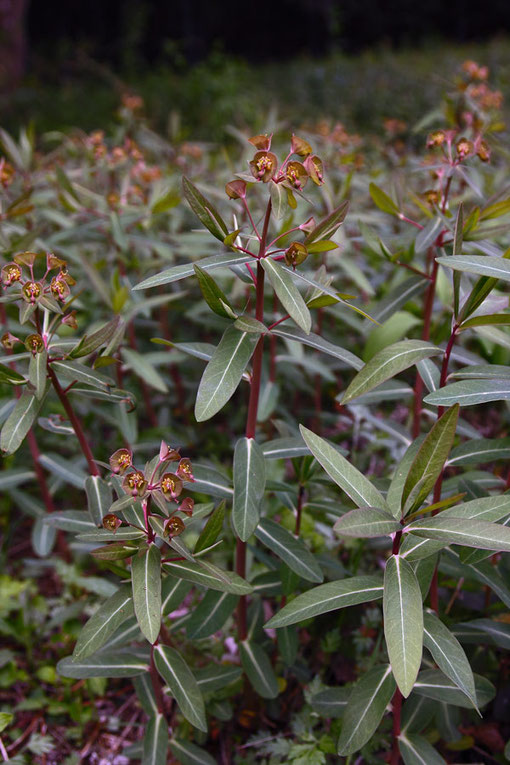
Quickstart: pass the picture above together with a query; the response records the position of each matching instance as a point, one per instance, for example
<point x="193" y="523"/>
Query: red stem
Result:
<point x="251" y="420"/>
<point x="75" y="422"/>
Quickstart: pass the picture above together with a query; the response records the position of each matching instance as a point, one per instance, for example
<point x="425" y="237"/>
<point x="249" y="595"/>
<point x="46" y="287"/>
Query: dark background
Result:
<point x="126" y="33"/>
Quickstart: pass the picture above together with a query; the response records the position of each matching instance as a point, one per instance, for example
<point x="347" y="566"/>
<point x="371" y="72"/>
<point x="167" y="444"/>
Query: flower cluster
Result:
<point x="46" y="292"/>
<point x="157" y="482"/>
<point x="291" y="173"/>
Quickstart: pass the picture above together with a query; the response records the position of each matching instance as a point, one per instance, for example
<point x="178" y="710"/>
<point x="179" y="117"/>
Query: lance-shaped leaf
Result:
<point x="155" y="741"/>
<point x="183" y="686"/>
<point x="387" y="363"/>
<point x="73" y="370"/>
<point x="463" y="531"/>
<point x="146" y="580"/>
<point x="345" y="475"/>
<point x="328" y="597"/>
<point x="211" y="614"/>
<point x="430" y="459"/>
<point x="19" y="422"/>
<point x="104" y="664"/>
<point x="366" y="522"/>
<point x="478" y="450"/>
<point x="104" y="622"/>
<point x="213" y="295"/>
<point x="209" y="575"/>
<point x="204" y="210"/>
<point x="187" y="753"/>
<point x="173" y="592"/>
<point x="403" y="622"/>
<point x="37" y="373"/>
<point x="92" y="342"/>
<point x="394" y="493"/>
<point x="330" y="702"/>
<point x="382" y="200"/>
<point x="319" y="343"/>
<point x="483" y="265"/>
<point x="433" y="684"/>
<point x="470" y="392"/>
<point x="70" y="520"/>
<point x="43" y="538"/>
<point x="258" y="669"/>
<point x="216" y="676"/>
<point x="448" y="654"/>
<point x="176" y="273"/>
<point x="10" y="376"/>
<point x="328" y="225"/>
<point x="99" y="498"/>
<point x="224" y="371"/>
<point x="249" y="484"/>
<point x="212" y="529"/>
<point x="288" y="294"/>
<point x="365" y="709"/>
<point x="290" y="549"/>
<point x="416" y="750"/>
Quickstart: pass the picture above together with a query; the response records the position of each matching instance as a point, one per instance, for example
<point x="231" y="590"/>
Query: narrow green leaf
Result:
<point x="290" y="549"/>
<point x="365" y="709"/>
<point x="70" y="520"/>
<point x="318" y="343"/>
<point x="387" y="363"/>
<point x="211" y="576"/>
<point x="176" y="273"/>
<point x="328" y="597"/>
<point x="146" y="578"/>
<point x="183" y="686"/>
<point x="10" y="376"/>
<point x="428" y="235"/>
<point x="328" y="225"/>
<point x="143" y="368"/>
<point x="463" y="531"/>
<point x="190" y="754"/>
<point x="478" y="450"/>
<point x="37" y="373"/>
<point x="429" y="460"/>
<point x="448" y="654"/>
<point x="99" y="498"/>
<point x="249" y="485"/>
<point x="211" y="614"/>
<point x="345" y="475"/>
<point x="173" y="592"/>
<point x="43" y="538"/>
<point x="213" y="295"/>
<point x="212" y="529"/>
<point x="73" y="370"/>
<point x="483" y="265"/>
<point x="204" y="210"/>
<point x="366" y="522"/>
<point x="382" y="200"/>
<point x="108" y="617"/>
<point x="416" y="750"/>
<point x="435" y="685"/>
<point x="223" y="373"/>
<point x="249" y="324"/>
<point x="216" y="676"/>
<point x="288" y="294"/>
<point x="330" y="702"/>
<point x="470" y="392"/>
<point x="92" y="342"/>
<point x="403" y="622"/>
<point x="155" y="741"/>
<point x="19" y="422"/>
<point x="106" y="664"/>
<point x="394" y="494"/>
<point x="258" y="669"/>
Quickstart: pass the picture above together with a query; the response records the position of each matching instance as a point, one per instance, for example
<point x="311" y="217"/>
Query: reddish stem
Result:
<point x="75" y="422"/>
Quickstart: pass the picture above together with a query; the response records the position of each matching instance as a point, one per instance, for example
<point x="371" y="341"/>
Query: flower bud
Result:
<point x="295" y="254"/>
<point x="296" y="175"/>
<point x="171" y="486"/>
<point x="236" y="189"/>
<point x="167" y="453"/>
<point x="10" y="273"/>
<point x="263" y="166"/>
<point x="261" y="142"/>
<point x="70" y="320"/>
<point x="185" y="470"/>
<point x="60" y="288"/>
<point x="174" y="526"/>
<point x="111" y="522"/>
<point x="121" y="460"/>
<point x="300" y="147"/>
<point x="186" y="506"/>
<point x="314" y="168"/>
<point x="135" y="484"/>
<point x="34" y="344"/>
<point x="483" y="151"/>
<point x="8" y="341"/>
<point x="308" y="225"/>
<point x="432" y="197"/>
<point x="53" y="262"/>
